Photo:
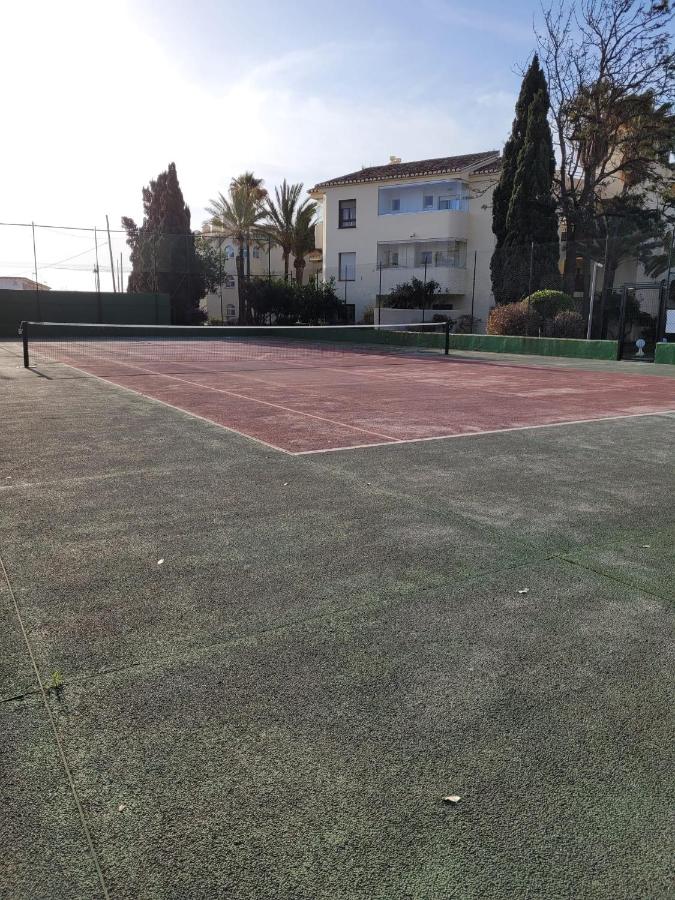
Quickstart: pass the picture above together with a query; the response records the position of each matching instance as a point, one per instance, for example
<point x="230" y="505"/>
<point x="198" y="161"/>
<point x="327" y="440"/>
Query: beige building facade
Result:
<point x="426" y="219"/>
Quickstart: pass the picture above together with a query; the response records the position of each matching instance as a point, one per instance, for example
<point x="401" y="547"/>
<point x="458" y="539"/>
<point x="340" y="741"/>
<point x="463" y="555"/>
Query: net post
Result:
<point x="446" y="328"/>
<point x="23" y="331"/>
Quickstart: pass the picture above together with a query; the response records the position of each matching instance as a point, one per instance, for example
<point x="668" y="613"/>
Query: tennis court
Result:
<point x="311" y="393"/>
<point x="232" y="672"/>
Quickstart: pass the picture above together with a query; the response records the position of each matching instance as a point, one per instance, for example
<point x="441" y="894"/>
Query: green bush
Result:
<point x="368" y="316"/>
<point x="547" y="304"/>
<point x="466" y="325"/>
<point x="568" y="324"/>
<point x="514" y="319"/>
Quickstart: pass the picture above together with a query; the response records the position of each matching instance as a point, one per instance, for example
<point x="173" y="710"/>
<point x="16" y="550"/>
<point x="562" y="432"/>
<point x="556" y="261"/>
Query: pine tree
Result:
<point x="531" y="249"/>
<point x="163" y="254"/>
<point x="533" y="82"/>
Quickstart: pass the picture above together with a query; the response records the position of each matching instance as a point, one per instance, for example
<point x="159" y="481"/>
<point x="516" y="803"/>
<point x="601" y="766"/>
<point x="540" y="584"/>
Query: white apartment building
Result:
<point x="427" y="219"/>
<point x="266" y="261"/>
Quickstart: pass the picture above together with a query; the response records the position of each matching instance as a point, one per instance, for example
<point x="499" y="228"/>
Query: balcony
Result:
<point x="425" y="197"/>
<point x="441" y="261"/>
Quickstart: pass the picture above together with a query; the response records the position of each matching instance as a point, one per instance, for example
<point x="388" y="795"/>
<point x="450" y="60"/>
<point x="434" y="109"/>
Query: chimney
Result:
<point x="394" y="160"/>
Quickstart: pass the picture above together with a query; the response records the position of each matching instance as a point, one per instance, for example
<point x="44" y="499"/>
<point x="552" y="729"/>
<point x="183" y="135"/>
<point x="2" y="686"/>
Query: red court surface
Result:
<point x="368" y="398"/>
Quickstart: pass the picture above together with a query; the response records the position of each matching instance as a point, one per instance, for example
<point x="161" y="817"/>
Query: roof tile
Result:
<point x="440" y="166"/>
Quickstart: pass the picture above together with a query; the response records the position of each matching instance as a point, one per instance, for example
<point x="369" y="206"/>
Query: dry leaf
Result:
<point x="122" y="807"/>
<point x="524" y="591"/>
<point x="451" y="798"/>
<point x="160" y="562"/>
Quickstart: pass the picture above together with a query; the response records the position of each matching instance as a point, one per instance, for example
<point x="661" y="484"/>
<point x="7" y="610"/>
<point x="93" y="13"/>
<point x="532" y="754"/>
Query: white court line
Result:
<point x="467" y="434"/>
<point x="386" y="443"/>
<point x="179" y="409"/>
<point x="296" y="412"/>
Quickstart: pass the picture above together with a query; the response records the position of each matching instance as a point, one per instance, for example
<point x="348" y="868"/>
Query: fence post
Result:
<point x="23" y="330"/>
<point x="622" y="322"/>
<point x="447" y="337"/>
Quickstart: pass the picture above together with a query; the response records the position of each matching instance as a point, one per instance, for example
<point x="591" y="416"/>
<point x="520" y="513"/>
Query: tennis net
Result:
<point x="164" y="349"/>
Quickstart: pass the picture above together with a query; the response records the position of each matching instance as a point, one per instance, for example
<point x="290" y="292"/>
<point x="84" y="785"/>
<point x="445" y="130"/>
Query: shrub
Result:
<point x="547" y="304"/>
<point x="514" y="319"/>
<point x="413" y="294"/>
<point x="465" y="325"/>
<point x="368" y="316"/>
<point x="568" y="324"/>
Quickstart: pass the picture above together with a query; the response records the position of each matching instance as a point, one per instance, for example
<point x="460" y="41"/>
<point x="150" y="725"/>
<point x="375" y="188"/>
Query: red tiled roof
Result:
<point x="489" y="168"/>
<point x="440" y="166"/>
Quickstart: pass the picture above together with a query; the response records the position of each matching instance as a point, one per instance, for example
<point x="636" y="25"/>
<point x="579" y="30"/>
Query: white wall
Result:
<point x="473" y="226"/>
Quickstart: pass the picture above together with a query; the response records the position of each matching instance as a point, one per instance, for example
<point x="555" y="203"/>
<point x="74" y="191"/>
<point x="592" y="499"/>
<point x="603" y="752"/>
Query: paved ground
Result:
<point x="331" y="644"/>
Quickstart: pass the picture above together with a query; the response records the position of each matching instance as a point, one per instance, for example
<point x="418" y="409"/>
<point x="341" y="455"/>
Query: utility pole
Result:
<point x="112" y="264"/>
<point x="97" y="270"/>
<point x="37" y="286"/>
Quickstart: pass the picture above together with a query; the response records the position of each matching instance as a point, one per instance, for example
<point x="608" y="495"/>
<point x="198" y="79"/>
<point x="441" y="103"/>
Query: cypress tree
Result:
<point x="163" y="253"/>
<point x="533" y="82"/>
<point x="532" y="251"/>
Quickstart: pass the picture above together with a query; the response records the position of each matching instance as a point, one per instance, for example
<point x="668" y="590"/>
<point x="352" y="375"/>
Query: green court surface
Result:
<point x="332" y="644"/>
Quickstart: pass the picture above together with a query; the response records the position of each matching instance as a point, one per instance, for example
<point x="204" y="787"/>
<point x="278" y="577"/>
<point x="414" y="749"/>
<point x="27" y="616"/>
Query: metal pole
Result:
<point x="473" y="289"/>
<point x="603" y="295"/>
<point x="37" y="286"/>
<point x="529" y="290"/>
<point x="121" y="272"/>
<point x="425" y="284"/>
<point x="220" y="278"/>
<point x="596" y="266"/>
<point x="622" y="322"/>
<point x="269" y="258"/>
<point x="98" y="278"/>
<point x="379" y="298"/>
<point x="112" y="264"/>
<point x="670" y="263"/>
<point x="447" y="337"/>
<point x="24" y="336"/>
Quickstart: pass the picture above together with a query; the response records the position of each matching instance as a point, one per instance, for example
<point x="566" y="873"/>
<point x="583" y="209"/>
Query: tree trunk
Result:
<point x="299" y="269"/>
<point x="286" y="255"/>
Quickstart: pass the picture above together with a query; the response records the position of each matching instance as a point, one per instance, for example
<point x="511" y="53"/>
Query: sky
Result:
<point x="100" y="95"/>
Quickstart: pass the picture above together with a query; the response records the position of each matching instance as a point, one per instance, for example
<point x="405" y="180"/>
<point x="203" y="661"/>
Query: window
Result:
<point x="445" y="202"/>
<point x="393" y="258"/>
<point x="428" y="201"/>
<point x="347" y="214"/>
<point x="229" y="281"/>
<point x="256" y="253"/>
<point x="229" y="251"/>
<point x="230" y="311"/>
<point x="425" y="257"/>
<point x="395" y="204"/>
<point x="347" y="267"/>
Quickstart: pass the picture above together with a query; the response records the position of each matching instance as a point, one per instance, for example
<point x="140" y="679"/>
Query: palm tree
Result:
<point x="238" y="216"/>
<point x="282" y="217"/>
<point x="254" y="186"/>
<point x="303" y="238"/>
